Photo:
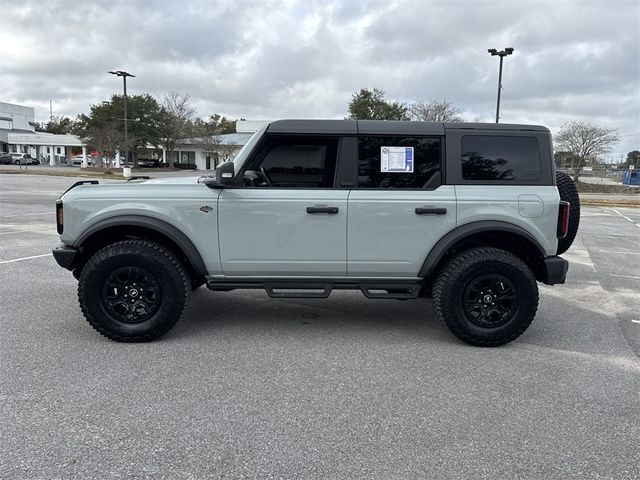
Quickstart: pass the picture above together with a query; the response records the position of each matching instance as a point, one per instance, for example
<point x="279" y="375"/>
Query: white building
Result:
<point x="207" y="154"/>
<point x="18" y="134"/>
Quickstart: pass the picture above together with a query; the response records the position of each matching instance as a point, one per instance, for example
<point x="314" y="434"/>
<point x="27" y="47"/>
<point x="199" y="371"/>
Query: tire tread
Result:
<point x="446" y="278"/>
<point x="182" y="285"/>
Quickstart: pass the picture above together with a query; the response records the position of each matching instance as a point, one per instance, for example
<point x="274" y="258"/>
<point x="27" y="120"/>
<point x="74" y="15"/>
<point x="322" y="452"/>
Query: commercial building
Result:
<point x="18" y="134"/>
<point x="208" y="153"/>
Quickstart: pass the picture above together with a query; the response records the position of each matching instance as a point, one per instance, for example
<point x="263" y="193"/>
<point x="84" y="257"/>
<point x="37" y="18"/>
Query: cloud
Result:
<point x="574" y="60"/>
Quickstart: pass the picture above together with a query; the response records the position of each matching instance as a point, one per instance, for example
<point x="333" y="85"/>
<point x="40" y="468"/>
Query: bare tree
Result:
<point x="435" y="111"/>
<point x="584" y="142"/>
<point x="177" y="115"/>
<point x="108" y="139"/>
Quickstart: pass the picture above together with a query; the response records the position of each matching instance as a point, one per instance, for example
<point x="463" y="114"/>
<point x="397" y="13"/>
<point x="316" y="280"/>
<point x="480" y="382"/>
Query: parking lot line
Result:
<point x="624" y="276"/>
<point x="623" y="216"/>
<point x="635" y="321"/>
<point x="616" y="251"/>
<point x="25" y="214"/>
<point x="25" y="258"/>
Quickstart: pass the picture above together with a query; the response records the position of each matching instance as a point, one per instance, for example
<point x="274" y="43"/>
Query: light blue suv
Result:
<point x="472" y="215"/>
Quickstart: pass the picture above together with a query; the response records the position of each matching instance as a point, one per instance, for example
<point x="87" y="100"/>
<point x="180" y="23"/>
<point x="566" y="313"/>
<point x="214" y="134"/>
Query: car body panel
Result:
<point x="268" y="232"/>
<point x="385" y="235"/>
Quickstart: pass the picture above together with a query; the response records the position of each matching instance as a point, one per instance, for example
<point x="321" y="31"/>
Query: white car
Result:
<point x="76" y="160"/>
<point x="23" y="159"/>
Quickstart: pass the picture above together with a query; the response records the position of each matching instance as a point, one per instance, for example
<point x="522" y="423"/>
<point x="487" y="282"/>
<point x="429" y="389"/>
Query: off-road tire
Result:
<point x="169" y="276"/>
<point x="458" y="275"/>
<point x="569" y="193"/>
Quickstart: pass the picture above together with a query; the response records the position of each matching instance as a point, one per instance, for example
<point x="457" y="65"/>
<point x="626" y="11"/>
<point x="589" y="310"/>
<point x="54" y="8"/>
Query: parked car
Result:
<point x="76" y="160"/>
<point x="6" y="159"/>
<point x="23" y="159"/>
<point x="471" y="215"/>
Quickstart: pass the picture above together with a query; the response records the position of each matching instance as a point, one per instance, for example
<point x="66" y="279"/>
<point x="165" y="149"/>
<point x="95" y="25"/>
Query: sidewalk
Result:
<point x="610" y="199"/>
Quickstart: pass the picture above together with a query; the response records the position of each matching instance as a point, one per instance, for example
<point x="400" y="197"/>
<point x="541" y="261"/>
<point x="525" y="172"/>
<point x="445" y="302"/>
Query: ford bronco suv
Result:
<point x="471" y="215"/>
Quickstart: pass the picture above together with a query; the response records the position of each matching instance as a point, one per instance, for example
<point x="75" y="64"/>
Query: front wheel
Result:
<point x="133" y="291"/>
<point x="486" y="296"/>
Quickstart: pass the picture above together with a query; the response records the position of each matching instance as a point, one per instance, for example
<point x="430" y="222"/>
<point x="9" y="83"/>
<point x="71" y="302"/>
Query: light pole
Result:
<point x="501" y="54"/>
<point x="124" y="75"/>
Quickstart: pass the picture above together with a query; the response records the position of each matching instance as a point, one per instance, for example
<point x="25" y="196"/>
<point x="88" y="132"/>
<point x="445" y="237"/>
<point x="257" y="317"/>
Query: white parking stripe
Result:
<point x="623" y="216"/>
<point x="624" y="276"/>
<point x="52" y="213"/>
<point x="615" y="251"/>
<point x="25" y="258"/>
<point x="635" y="321"/>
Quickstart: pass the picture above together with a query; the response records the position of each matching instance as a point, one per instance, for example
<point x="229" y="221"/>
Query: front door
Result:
<point x="286" y="219"/>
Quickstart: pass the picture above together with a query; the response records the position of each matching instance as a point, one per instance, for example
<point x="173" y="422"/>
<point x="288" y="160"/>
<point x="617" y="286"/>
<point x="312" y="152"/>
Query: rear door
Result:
<point x="399" y="208"/>
<point x="286" y="219"/>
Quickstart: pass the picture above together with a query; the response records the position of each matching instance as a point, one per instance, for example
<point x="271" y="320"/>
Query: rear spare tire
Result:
<point x="569" y="193"/>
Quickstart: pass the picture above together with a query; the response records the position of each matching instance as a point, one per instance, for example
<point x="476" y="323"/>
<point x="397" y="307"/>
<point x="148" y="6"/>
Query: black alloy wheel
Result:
<point x="131" y="294"/>
<point x="490" y="300"/>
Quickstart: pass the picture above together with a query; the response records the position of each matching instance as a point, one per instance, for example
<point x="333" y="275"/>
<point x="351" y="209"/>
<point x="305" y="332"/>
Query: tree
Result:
<point x="144" y="120"/>
<point x="371" y="105"/>
<point x="633" y="158"/>
<point x="207" y="132"/>
<point x="176" y="120"/>
<point x="585" y="141"/>
<point x="108" y="139"/>
<point x="435" y="111"/>
<point x="58" y="125"/>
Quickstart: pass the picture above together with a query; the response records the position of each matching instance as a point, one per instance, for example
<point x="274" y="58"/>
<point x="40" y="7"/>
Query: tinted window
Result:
<point x="425" y="156"/>
<point x="294" y="162"/>
<point x="500" y="158"/>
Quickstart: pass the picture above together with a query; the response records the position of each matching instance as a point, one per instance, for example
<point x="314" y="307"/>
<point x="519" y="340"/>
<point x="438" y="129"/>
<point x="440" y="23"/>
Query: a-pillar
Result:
<point x="52" y="156"/>
<point x="84" y="157"/>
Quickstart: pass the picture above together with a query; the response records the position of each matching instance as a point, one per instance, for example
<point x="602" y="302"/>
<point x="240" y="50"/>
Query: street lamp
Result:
<point x="501" y="54"/>
<point x="124" y="75"/>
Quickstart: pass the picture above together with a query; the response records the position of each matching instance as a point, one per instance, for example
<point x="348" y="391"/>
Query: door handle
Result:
<point x="322" y="209"/>
<point x="431" y="211"/>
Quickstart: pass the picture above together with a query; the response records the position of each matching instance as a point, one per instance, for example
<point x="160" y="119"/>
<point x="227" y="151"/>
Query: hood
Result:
<point x="171" y="180"/>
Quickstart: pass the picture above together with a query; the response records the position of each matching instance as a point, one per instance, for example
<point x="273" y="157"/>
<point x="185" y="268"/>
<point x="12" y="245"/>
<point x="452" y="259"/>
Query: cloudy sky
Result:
<point x="573" y="60"/>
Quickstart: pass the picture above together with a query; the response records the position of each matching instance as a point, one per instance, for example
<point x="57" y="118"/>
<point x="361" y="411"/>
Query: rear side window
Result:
<point x="423" y="157"/>
<point x="503" y="158"/>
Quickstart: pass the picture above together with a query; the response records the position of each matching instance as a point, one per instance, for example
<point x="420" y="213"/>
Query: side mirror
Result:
<point x="222" y="176"/>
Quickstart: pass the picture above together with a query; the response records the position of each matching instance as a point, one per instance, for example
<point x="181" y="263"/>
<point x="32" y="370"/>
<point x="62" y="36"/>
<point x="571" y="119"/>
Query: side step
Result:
<point x="298" y="290"/>
<point x="386" y="290"/>
<point x="319" y="289"/>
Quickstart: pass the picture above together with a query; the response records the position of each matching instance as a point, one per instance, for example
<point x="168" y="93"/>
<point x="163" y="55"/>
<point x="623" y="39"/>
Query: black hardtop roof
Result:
<point x="387" y="127"/>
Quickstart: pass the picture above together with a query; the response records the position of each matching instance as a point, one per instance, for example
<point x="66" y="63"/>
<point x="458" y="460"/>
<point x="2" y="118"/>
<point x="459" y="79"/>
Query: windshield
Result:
<point x="240" y="157"/>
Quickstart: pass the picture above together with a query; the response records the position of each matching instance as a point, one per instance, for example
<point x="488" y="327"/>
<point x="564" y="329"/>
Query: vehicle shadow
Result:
<point x="343" y="313"/>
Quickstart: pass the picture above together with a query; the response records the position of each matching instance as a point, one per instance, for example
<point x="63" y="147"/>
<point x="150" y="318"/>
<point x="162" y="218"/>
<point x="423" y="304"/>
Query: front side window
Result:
<point x="286" y="162"/>
<point x="397" y="162"/>
<point x="503" y="158"/>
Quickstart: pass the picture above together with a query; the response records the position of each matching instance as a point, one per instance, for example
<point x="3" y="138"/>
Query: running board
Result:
<point x="302" y="289"/>
<point x="385" y="290"/>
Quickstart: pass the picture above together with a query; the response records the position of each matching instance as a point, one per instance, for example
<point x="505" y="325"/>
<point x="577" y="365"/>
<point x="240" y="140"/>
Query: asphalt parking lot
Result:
<point x="251" y="387"/>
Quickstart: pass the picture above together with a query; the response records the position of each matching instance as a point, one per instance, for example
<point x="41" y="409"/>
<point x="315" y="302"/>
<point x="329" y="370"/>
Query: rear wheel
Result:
<point x="486" y="296"/>
<point x="133" y="291"/>
<point x="569" y="193"/>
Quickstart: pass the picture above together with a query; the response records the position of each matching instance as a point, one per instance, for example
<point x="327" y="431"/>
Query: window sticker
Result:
<point x="396" y="159"/>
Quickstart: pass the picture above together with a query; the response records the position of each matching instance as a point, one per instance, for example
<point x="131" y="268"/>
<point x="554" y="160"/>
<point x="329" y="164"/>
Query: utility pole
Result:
<point x="124" y="75"/>
<point x="501" y="54"/>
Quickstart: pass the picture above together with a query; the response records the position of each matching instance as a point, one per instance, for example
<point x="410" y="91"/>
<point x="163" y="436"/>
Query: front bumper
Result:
<point x="555" y="270"/>
<point x="65" y="255"/>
